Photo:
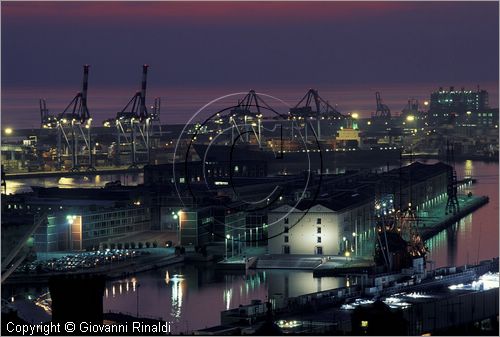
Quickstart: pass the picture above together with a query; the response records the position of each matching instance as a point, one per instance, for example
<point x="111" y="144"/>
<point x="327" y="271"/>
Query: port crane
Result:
<point x="73" y="129"/>
<point x="383" y="110"/>
<point x="47" y="121"/>
<point x="134" y="127"/>
<point x="313" y="106"/>
<point x="244" y="121"/>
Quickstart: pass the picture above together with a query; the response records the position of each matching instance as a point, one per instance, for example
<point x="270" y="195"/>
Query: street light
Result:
<point x="347" y="254"/>
<point x="178" y="216"/>
<point x="225" y="241"/>
<point x="8" y="131"/>
<point x="71" y="220"/>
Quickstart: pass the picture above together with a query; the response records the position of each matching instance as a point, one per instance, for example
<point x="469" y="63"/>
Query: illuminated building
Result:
<point x="324" y="229"/>
<point x="451" y="106"/>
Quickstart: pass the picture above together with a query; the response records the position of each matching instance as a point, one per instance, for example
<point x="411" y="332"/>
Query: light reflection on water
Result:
<point x="475" y="237"/>
<point x="192" y="297"/>
<point x="21" y="186"/>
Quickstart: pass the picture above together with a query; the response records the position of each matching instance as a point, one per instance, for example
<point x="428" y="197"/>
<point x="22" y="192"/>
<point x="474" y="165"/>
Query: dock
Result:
<point x="437" y="221"/>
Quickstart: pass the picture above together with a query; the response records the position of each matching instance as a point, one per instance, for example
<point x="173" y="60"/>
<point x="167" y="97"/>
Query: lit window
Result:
<point x="364" y="324"/>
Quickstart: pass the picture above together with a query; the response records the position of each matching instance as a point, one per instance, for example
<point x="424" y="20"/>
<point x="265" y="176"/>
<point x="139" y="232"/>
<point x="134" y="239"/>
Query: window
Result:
<point x="318" y="230"/>
<point x="286" y="238"/>
<point x="318" y="221"/>
<point x="318" y="239"/>
<point x="285" y="230"/>
<point x="319" y="250"/>
<point x="286" y="249"/>
<point x="286" y="221"/>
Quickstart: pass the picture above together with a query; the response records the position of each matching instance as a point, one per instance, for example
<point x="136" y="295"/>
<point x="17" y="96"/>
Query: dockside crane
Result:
<point x="382" y="109"/>
<point x="247" y="116"/>
<point x="313" y="106"/>
<point x="133" y="127"/>
<point x="73" y="128"/>
<point x="47" y="121"/>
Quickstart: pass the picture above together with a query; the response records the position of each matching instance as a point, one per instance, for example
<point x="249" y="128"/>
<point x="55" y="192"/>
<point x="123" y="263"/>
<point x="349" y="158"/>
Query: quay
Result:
<point x="86" y="173"/>
<point x="436" y="221"/>
<point x="433" y="221"/>
<point x="117" y="271"/>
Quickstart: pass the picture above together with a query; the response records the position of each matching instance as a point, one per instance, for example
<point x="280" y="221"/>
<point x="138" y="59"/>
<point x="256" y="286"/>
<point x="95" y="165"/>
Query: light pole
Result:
<point x="71" y="220"/>
<point x="137" y="299"/>
<point x="225" y="240"/>
<point x="355" y="237"/>
<point x="178" y="216"/>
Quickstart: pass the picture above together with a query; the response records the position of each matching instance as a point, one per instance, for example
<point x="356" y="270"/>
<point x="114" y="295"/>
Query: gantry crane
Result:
<point x="313" y="106"/>
<point x="382" y="109"/>
<point x="133" y="127"/>
<point x="246" y="117"/>
<point x="47" y="121"/>
<point x="73" y="129"/>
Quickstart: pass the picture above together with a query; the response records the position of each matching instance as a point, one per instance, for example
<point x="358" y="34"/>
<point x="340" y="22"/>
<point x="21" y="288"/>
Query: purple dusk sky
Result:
<point x="237" y="46"/>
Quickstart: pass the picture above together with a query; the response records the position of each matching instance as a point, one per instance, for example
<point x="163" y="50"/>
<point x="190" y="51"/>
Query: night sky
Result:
<point x="195" y="47"/>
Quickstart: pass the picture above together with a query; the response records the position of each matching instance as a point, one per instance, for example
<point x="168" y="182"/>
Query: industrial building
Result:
<point x="78" y="219"/>
<point x="322" y="229"/>
<point x="342" y="220"/>
<point x="454" y="106"/>
<point x="210" y="224"/>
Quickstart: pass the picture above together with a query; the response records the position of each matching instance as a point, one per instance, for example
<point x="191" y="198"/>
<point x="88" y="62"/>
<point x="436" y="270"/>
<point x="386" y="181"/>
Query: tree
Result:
<point x="148" y="244"/>
<point x="141" y="245"/>
<point x="155" y="244"/>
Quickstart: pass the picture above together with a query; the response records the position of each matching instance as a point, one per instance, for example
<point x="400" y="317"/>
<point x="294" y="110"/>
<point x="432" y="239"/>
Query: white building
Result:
<point x="330" y="227"/>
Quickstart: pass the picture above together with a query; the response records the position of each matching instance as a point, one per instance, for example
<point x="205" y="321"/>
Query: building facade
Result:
<point x="80" y="229"/>
<point x="454" y="106"/>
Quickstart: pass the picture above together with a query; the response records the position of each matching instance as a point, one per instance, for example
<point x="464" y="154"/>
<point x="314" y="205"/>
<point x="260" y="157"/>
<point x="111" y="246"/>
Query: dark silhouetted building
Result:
<point x="77" y="298"/>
